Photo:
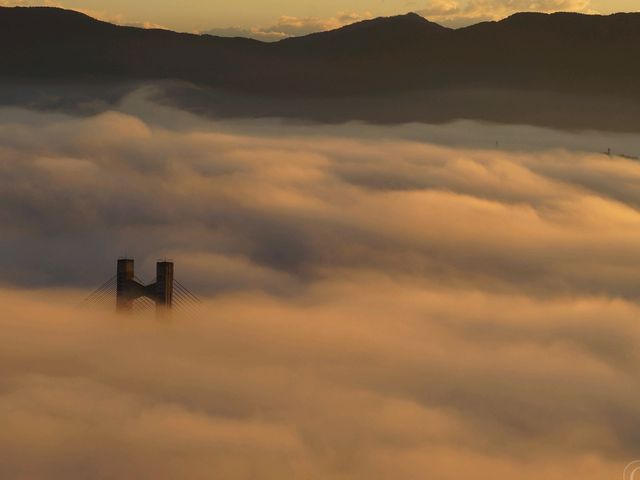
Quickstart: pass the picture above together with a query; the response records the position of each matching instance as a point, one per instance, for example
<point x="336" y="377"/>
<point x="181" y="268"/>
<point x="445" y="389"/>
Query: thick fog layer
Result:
<point x="375" y="306"/>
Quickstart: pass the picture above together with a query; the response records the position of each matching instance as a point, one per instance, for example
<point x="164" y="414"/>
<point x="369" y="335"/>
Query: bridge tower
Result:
<point x="124" y="277"/>
<point x="164" y="286"/>
<point x="128" y="289"/>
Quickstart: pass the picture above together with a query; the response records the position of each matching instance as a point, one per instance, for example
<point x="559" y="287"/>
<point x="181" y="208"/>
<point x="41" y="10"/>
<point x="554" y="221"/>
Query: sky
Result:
<point x="272" y="19"/>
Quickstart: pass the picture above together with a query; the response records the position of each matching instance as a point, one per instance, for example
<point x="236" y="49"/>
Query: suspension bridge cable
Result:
<point x="106" y="286"/>
<point x="104" y="291"/>
<point x="97" y="290"/>
<point x="107" y="300"/>
<point x="185" y="297"/>
<point x="100" y="295"/>
<point x="181" y="307"/>
<point x="181" y="303"/>
<point x="187" y="291"/>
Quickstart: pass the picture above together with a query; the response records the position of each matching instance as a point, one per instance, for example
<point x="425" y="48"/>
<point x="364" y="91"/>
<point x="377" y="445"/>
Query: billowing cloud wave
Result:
<point x="376" y="307"/>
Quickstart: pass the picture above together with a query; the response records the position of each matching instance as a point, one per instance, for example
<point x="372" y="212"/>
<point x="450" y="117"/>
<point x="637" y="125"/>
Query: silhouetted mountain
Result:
<point x="560" y="52"/>
<point x="379" y="35"/>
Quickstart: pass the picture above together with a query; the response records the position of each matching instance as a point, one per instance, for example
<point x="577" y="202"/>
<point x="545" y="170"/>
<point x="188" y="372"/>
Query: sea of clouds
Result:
<point x="376" y="306"/>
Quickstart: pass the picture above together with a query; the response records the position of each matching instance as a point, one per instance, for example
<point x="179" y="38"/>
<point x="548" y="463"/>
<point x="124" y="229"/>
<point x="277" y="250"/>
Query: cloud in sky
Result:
<point x="285" y="26"/>
<point x="375" y="307"/>
<point x="448" y="12"/>
<point x="290" y="26"/>
<point x="251" y="17"/>
<point x="462" y="12"/>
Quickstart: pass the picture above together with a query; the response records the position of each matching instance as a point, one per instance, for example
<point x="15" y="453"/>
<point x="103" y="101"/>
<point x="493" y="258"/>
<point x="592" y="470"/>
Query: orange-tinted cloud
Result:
<point x="375" y="307"/>
<point x="359" y="377"/>
<point x="290" y="26"/>
<point x="469" y="11"/>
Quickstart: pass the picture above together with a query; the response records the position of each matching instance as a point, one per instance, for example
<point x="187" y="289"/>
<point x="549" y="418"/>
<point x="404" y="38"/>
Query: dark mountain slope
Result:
<point x="51" y="43"/>
<point x="560" y="53"/>
<point x="380" y="35"/>
<point x="563" y="51"/>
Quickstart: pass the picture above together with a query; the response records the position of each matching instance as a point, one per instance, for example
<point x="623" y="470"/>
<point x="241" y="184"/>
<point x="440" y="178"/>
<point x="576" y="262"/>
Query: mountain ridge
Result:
<point x="561" y="52"/>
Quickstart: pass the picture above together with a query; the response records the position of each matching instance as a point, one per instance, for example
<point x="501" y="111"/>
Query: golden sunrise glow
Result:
<point x="277" y="16"/>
